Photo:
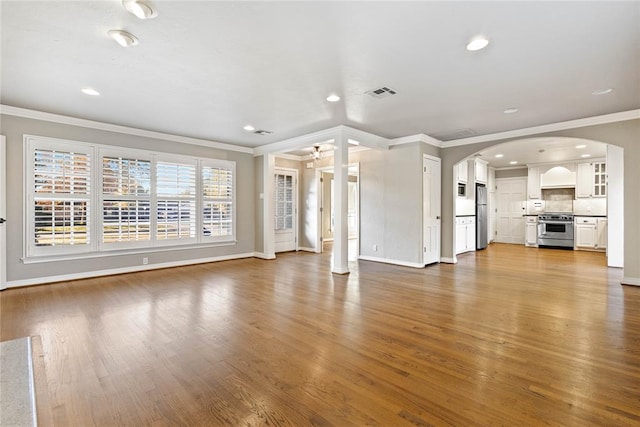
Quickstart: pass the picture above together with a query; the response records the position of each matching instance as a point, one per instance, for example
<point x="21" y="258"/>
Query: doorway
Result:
<point x="3" y="214"/>
<point x="286" y="209"/>
<point x="326" y="212"/>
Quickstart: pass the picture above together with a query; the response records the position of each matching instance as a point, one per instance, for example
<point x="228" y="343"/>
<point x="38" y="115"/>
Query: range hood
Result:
<point x="558" y="177"/>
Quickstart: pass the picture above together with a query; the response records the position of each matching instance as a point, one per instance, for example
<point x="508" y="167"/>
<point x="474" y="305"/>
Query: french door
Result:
<point x="286" y="209"/>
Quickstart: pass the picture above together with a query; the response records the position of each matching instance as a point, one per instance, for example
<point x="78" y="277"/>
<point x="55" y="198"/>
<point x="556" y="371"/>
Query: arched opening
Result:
<point x="529" y="177"/>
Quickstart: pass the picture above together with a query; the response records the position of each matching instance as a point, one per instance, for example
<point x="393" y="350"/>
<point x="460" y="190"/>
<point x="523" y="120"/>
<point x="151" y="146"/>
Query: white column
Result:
<point x="269" y="234"/>
<point x="341" y="181"/>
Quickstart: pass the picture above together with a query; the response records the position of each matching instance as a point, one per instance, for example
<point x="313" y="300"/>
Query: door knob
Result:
<point x="2" y="220"/>
<point x="438" y="217"/>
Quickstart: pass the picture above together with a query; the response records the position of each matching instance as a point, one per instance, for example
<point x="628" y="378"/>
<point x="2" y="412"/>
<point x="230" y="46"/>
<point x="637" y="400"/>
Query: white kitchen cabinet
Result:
<point x="465" y="234"/>
<point x="591" y="180"/>
<point x="533" y="183"/>
<point x="601" y="231"/>
<point x="462" y="171"/>
<point x="590" y="232"/>
<point x="480" y="171"/>
<point x="531" y="231"/>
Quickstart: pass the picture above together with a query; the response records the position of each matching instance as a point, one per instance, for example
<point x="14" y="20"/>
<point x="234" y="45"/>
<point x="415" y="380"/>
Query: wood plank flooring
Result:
<point x="509" y="336"/>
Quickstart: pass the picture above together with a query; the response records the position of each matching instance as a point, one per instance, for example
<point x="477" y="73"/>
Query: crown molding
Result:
<point x="91" y="124"/>
<point x="421" y="137"/>
<point x="552" y="127"/>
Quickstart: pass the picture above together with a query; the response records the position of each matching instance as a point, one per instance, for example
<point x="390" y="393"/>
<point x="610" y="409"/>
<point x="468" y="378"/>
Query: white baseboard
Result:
<point x="391" y="261"/>
<point x="301" y="248"/>
<point x="448" y="260"/>
<point x="262" y="255"/>
<point x="132" y="269"/>
<point x="633" y="281"/>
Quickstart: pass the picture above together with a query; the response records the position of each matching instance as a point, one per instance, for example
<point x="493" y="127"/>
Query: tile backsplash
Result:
<point x="558" y="199"/>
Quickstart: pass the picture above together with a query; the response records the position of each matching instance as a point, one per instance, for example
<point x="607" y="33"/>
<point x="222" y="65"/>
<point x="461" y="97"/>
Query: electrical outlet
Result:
<point x="145" y="261"/>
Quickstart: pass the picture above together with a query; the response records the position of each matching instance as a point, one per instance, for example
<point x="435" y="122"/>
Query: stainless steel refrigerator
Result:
<point x="482" y="217"/>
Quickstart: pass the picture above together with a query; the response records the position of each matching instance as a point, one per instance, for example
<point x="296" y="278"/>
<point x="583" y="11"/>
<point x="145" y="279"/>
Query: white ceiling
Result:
<point x="206" y="69"/>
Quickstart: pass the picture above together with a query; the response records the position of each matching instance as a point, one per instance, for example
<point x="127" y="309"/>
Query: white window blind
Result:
<point x="84" y="198"/>
<point x="126" y="200"/>
<point x="176" y="201"/>
<point x="61" y="198"/>
<point x="217" y="205"/>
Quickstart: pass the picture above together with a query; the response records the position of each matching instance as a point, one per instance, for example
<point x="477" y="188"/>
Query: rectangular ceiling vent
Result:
<point x="459" y="134"/>
<point x="382" y="92"/>
<point x="262" y="132"/>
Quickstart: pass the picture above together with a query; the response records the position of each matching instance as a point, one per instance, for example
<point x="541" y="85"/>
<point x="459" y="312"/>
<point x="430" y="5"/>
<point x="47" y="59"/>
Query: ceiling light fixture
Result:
<point x="477" y="43"/>
<point x="90" y="91"/>
<point x="143" y="9"/>
<point x="513" y="162"/>
<point x="511" y="110"/>
<point x="333" y="98"/>
<point x="585" y="155"/>
<point x="316" y="154"/>
<point x="249" y="128"/>
<point x="581" y="146"/>
<point x="601" y="92"/>
<point x="499" y="156"/>
<point x="123" y="38"/>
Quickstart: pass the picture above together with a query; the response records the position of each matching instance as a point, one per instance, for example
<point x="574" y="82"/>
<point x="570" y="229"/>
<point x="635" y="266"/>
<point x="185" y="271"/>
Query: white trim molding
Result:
<point x="122" y="270"/>
<point x="391" y="261"/>
<point x="91" y="124"/>
<point x="448" y="260"/>
<point x="421" y="137"/>
<point x="631" y="281"/>
<point x="262" y="255"/>
<point x="552" y="127"/>
<point x="306" y="249"/>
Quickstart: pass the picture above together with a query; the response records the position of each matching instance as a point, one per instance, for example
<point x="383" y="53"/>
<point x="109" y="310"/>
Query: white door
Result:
<point x="511" y="195"/>
<point x="431" y="209"/>
<point x="3" y="215"/>
<point x="286" y="210"/>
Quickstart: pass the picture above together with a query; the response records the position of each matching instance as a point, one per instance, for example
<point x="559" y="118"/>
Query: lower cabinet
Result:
<point x="531" y="231"/>
<point x="465" y="234"/>
<point x="590" y="233"/>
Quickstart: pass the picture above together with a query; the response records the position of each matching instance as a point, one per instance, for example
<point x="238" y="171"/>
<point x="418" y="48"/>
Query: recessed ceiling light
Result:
<point x="511" y="110"/>
<point x="123" y="38"/>
<point x="333" y="98"/>
<point x="586" y="155"/>
<point x="499" y="156"/>
<point x="90" y="91"/>
<point x="143" y="9"/>
<point x="581" y="146"/>
<point x="249" y="128"/>
<point x="513" y="162"/>
<point x="601" y="91"/>
<point x="477" y="43"/>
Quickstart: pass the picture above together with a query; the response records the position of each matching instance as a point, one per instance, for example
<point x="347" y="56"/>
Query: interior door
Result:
<point x="511" y="196"/>
<point x="431" y="209"/>
<point x="3" y="215"/>
<point x="286" y="210"/>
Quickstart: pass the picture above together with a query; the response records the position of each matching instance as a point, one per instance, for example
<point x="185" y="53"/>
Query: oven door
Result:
<point x="555" y="230"/>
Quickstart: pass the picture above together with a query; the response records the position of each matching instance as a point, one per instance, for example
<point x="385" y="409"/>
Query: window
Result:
<point x="217" y="195"/>
<point x="126" y="200"/>
<point x="176" y="204"/>
<point x="60" y="194"/>
<point x="89" y="198"/>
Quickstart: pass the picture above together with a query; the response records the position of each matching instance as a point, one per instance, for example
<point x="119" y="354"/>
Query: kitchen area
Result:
<point x="540" y="204"/>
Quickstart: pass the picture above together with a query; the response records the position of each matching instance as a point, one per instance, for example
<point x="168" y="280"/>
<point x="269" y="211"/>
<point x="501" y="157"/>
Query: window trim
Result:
<point x="96" y="247"/>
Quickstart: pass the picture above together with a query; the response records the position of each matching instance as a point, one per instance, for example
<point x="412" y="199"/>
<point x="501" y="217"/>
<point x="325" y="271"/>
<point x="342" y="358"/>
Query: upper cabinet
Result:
<point x="481" y="171"/>
<point x="462" y="171"/>
<point x="533" y="183"/>
<point x="591" y="180"/>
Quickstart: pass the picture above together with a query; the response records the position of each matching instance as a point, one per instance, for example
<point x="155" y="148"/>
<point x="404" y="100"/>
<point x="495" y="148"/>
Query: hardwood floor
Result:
<point x="509" y="336"/>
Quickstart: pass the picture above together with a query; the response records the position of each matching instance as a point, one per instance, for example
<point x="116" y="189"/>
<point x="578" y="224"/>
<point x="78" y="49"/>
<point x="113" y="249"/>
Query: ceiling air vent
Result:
<point x="382" y="92"/>
<point x="459" y="134"/>
<point x="262" y="132"/>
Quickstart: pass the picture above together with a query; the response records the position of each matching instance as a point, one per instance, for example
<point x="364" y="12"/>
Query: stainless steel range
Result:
<point x="555" y="230"/>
